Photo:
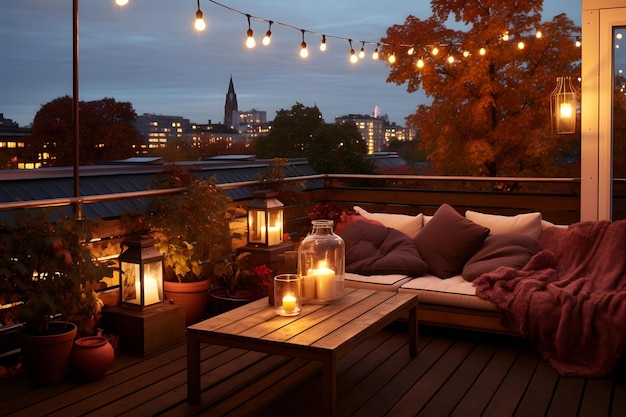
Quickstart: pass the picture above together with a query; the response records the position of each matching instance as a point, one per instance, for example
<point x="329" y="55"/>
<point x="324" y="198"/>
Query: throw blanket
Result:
<point x="570" y="298"/>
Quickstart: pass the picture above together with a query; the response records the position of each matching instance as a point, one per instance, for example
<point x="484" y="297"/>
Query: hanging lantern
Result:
<point x="265" y="219"/>
<point x="141" y="272"/>
<point x="563" y="106"/>
<point x="321" y="263"/>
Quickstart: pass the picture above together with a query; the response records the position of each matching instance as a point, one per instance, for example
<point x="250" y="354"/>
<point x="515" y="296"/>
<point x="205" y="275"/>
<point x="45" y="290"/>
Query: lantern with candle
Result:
<point x="321" y="263"/>
<point x="141" y="272"/>
<point x="265" y="219"/>
<point x="287" y="294"/>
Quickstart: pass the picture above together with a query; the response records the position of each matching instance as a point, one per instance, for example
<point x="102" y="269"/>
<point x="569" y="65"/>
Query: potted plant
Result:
<point x="43" y="263"/>
<point x="192" y="231"/>
<point x="236" y="283"/>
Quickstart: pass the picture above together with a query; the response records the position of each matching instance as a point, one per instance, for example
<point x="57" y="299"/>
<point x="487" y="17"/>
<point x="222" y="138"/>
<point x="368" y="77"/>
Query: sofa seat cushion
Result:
<point x="454" y="292"/>
<point x="388" y="282"/>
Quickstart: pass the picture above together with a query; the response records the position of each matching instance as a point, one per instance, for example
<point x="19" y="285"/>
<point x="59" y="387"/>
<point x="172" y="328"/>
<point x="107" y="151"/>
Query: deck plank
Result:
<point x="454" y="374"/>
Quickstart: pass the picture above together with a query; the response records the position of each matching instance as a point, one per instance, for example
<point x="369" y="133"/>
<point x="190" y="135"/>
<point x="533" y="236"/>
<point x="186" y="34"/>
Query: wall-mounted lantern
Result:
<point x="563" y="106"/>
<point x="141" y="272"/>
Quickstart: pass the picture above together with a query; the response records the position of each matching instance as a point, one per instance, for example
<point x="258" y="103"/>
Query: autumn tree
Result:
<point x="106" y="131"/>
<point x="489" y="79"/>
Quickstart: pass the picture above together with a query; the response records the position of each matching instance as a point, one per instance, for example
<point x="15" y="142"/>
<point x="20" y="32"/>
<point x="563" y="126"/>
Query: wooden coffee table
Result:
<point x="320" y="333"/>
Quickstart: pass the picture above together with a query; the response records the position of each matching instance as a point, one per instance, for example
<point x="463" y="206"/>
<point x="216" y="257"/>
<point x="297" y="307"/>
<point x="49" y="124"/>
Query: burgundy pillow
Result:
<point x="504" y="249"/>
<point x="448" y="240"/>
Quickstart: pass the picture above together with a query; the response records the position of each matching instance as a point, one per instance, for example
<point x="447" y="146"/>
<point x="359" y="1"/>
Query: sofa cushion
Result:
<point x="348" y="218"/>
<point x="451" y="292"/>
<point x="409" y="225"/>
<point x="505" y="249"/>
<point x="372" y="249"/>
<point x="527" y="223"/>
<point x="385" y="282"/>
<point x="448" y="240"/>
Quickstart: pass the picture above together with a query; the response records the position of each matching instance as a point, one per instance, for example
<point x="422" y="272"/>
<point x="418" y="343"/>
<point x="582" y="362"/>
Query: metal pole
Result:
<point x="75" y="115"/>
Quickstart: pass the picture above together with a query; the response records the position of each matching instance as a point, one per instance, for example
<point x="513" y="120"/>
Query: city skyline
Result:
<point x="148" y="54"/>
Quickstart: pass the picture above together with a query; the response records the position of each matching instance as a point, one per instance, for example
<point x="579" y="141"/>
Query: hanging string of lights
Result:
<point x="353" y="56"/>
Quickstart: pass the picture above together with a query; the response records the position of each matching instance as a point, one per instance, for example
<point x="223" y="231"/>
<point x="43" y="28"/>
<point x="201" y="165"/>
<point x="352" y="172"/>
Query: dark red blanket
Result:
<point x="570" y="299"/>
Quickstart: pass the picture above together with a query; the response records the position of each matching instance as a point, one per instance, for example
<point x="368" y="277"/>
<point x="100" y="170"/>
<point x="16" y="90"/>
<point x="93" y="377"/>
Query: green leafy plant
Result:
<point x="45" y="264"/>
<point x="191" y="228"/>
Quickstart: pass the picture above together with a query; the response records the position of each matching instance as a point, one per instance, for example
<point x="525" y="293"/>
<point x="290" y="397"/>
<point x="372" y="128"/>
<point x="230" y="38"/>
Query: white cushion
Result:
<point x="409" y="225"/>
<point x="528" y="224"/>
<point x="453" y="292"/>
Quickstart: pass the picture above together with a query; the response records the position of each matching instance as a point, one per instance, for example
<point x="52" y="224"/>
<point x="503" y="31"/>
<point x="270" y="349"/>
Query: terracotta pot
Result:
<point x="91" y="357"/>
<point x="193" y="295"/>
<point x="46" y="356"/>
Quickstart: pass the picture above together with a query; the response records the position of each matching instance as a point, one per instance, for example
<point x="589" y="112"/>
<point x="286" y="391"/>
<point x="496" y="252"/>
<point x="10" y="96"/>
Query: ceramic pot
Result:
<point x="91" y="357"/>
<point x="193" y="295"/>
<point x="46" y="356"/>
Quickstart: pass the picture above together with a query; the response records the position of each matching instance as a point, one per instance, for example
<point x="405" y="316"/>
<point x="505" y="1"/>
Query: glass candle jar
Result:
<point x="287" y="294"/>
<point x="321" y="263"/>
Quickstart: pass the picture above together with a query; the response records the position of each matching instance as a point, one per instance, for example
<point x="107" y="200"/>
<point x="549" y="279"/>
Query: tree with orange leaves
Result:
<point x="489" y="82"/>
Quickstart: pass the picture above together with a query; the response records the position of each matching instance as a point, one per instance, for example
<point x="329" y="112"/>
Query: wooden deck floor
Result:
<point x="455" y="374"/>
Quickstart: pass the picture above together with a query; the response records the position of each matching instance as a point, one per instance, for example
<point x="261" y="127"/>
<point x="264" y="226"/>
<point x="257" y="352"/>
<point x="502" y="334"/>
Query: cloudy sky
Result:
<point x="148" y="54"/>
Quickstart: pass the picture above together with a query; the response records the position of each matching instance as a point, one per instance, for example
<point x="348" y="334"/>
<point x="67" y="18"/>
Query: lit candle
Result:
<point x="289" y="303"/>
<point x="309" y="285"/>
<point x="150" y="291"/>
<point x="325" y="282"/>
<point x="273" y="235"/>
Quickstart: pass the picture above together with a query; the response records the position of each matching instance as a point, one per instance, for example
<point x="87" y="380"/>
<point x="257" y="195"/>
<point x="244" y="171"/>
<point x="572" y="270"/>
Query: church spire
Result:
<point x="230" y="107"/>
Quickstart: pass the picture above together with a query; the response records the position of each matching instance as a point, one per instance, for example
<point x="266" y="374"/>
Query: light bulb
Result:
<point x="450" y="59"/>
<point x="420" y="63"/>
<point x="121" y="2"/>
<point x="482" y="51"/>
<point x="505" y="36"/>
<point x="200" y="25"/>
<point x="375" y="54"/>
<point x="434" y="51"/>
<point x="353" y="57"/>
<point x="521" y="45"/>
<point x="392" y="58"/>
<point x="362" y="53"/>
<point x="303" y="51"/>
<point x="267" y="39"/>
<point x="323" y="44"/>
<point x="411" y="51"/>
<point x="466" y="53"/>
<point x="250" y="42"/>
<point x="539" y="34"/>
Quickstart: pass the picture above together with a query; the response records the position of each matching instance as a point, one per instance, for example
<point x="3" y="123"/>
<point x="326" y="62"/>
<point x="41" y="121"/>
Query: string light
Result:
<point x="267" y="39"/>
<point x="200" y="25"/>
<point x="375" y="53"/>
<point x="410" y="49"/>
<point x="420" y="63"/>
<point x="353" y="57"/>
<point x="303" y="51"/>
<point x="250" y="42"/>
<point x="125" y="2"/>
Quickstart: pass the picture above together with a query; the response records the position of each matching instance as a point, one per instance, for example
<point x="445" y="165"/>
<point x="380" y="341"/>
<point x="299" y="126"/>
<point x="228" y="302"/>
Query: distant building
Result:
<point x="231" y="108"/>
<point x="158" y="130"/>
<point x="252" y="124"/>
<point x="14" y="149"/>
<point x="372" y="130"/>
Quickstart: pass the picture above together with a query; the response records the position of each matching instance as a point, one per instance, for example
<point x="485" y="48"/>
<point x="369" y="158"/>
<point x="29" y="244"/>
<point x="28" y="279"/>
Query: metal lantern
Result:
<point x="563" y="106"/>
<point x="265" y="219"/>
<point x="141" y="272"/>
